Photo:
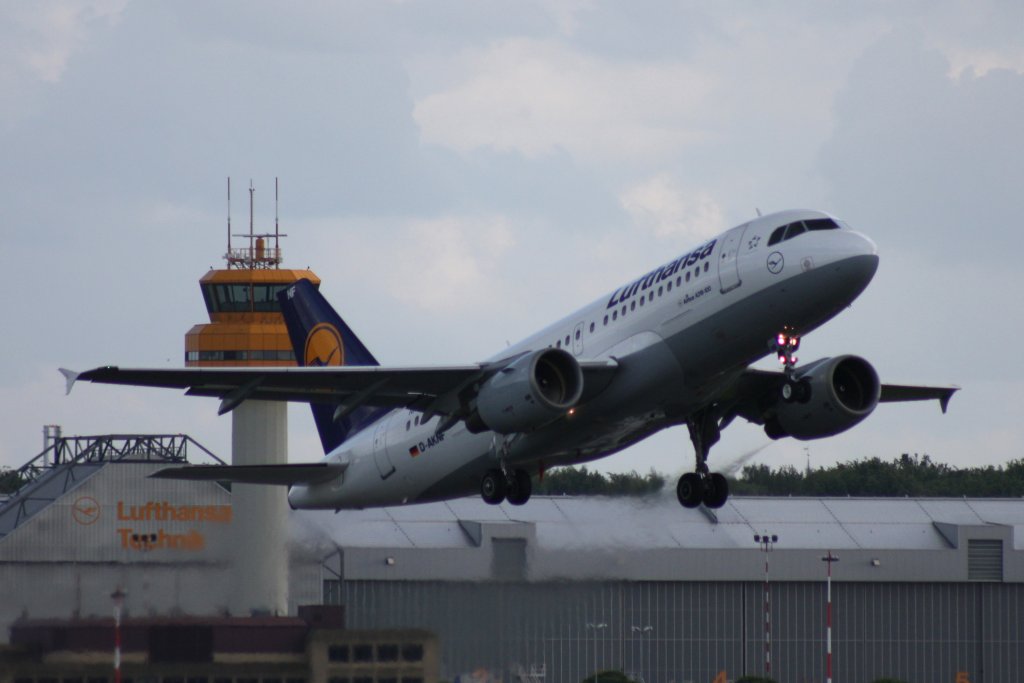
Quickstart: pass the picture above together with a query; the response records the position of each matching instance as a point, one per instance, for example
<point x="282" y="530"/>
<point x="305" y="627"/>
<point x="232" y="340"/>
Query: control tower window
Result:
<point x="242" y="298"/>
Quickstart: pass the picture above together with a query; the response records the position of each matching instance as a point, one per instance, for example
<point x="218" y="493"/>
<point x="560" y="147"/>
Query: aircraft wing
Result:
<point x="758" y="388"/>
<point x="431" y="390"/>
<point x="282" y="475"/>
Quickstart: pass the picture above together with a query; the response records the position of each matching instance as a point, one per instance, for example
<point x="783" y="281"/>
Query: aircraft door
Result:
<point x="380" y="449"/>
<point x="728" y="261"/>
<point x="577" y="339"/>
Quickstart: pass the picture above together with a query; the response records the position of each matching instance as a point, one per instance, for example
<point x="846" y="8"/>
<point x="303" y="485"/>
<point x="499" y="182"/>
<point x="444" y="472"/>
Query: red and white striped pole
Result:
<point x="118" y="598"/>
<point x="766" y="542"/>
<point x="830" y="558"/>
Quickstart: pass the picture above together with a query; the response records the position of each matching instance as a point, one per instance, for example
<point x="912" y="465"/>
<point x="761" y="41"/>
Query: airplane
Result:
<point x="672" y="347"/>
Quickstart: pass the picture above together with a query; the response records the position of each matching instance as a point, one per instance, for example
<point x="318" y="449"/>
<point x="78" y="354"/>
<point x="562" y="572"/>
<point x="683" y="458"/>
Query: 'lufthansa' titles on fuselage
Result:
<point x="661" y="274"/>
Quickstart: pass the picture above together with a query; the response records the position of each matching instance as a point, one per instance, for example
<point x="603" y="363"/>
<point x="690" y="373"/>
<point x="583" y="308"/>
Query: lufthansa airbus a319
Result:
<point x="672" y="347"/>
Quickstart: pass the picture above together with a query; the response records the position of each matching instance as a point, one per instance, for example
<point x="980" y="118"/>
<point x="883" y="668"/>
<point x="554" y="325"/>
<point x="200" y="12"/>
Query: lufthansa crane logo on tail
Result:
<point x="324" y="346"/>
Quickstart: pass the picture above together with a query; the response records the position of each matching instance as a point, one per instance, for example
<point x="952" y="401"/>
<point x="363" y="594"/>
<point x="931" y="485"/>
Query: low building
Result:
<point x="305" y="649"/>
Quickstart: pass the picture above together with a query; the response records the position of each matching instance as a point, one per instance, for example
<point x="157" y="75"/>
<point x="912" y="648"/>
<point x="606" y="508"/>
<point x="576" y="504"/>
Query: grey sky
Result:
<point x="462" y="173"/>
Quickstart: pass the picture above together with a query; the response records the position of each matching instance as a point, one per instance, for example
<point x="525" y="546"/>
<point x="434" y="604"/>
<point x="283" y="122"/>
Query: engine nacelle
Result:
<point x="528" y="393"/>
<point x="829" y="396"/>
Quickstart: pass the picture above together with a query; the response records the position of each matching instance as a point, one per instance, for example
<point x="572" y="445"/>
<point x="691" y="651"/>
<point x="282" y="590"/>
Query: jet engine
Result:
<point x="528" y="393"/>
<point x="824" y="398"/>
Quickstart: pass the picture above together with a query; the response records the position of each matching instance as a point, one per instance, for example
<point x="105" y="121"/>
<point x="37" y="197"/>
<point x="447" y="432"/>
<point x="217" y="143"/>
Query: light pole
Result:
<point x="830" y="558"/>
<point x="766" y="542"/>
<point x="642" y="632"/>
<point x="118" y="597"/>
<point x="596" y="628"/>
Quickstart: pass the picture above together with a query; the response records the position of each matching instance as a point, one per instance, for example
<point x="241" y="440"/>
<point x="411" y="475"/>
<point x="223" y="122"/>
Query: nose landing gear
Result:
<point x="785" y="345"/>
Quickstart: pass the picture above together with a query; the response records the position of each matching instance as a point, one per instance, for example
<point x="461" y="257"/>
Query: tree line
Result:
<point x="908" y="475"/>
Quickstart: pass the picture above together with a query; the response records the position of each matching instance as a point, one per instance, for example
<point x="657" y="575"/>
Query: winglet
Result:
<point x="70" y="377"/>
<point x="944" y="400"/>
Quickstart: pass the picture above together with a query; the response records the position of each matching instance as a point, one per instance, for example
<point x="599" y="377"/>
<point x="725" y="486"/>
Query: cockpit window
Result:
<point x="821" y="224"/>
<point x="788" y="232"/>
<point x="794" y="229"/>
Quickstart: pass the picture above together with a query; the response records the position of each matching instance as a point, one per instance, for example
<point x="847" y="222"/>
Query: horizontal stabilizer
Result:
<point x="279" y="475"/>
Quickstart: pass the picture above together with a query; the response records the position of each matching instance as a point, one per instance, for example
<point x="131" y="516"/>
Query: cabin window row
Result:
<point x="691" y="274"/>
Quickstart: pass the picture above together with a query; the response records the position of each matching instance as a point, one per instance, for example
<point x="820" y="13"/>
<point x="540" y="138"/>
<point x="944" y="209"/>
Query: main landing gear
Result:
<point x="702" y="486"/>
<point x="514" y="486"/>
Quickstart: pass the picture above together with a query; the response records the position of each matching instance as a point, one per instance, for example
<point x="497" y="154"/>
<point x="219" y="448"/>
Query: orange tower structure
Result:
<point x="247" y="328"/>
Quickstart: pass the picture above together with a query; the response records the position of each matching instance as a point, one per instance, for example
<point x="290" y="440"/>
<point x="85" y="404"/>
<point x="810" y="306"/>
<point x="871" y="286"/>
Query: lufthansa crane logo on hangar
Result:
<point x="324" y="347"/>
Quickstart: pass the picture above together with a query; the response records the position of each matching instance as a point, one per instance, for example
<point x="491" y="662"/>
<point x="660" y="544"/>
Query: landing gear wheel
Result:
<point x="493" y="487"/>
<point x="519" y="488"/>
<point x="690" y="490"/>
<point x="716" y="490"/>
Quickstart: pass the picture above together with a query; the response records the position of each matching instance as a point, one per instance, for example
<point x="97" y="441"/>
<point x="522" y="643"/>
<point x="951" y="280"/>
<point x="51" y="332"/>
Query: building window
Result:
<point x="387" y="653"/>
<point x="412" y="652"/>
<point x="362" y="653"/>
<point x="337" y="653"/>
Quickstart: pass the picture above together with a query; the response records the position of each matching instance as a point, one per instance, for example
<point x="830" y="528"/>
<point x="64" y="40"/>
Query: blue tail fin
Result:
<point x="320" y="337"/>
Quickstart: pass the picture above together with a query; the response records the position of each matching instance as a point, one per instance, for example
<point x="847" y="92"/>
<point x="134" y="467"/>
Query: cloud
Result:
<point x="660" y="206"/>
<point x="41" y="37"/>
<point x="932" y="162"/>
<point x="535" y="97"/>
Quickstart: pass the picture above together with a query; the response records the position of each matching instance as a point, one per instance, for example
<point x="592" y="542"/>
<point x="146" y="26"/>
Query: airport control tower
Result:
<point x="247" y="328"/>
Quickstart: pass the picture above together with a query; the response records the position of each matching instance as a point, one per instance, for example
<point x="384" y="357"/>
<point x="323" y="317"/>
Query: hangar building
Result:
<point x="924" y="589"/>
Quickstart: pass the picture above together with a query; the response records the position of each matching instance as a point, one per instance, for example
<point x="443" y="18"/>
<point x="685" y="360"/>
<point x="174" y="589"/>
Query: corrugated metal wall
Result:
<point x="691" y="631"/>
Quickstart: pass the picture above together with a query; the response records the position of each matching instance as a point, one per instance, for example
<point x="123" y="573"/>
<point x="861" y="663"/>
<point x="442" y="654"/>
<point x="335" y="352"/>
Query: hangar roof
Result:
<point x="659" y="522"/>
<point x="654" y="539"/>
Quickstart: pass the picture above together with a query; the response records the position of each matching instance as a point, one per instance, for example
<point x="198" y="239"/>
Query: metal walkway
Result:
<point x="71" y="460"/>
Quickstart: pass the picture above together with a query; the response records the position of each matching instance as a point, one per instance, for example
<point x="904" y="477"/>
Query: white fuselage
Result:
<point x="681" y="334"/>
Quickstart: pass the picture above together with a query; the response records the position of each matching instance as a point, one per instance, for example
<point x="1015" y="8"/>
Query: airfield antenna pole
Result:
<point x="229" y="220"/>
<point x="596" y="628"/>
<point x="252" y="245"/>
<point x="277" y="231"/>
<point x="830" y="558"/>
<point x="118" y="597"/>
<point x="766" y="542"/>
